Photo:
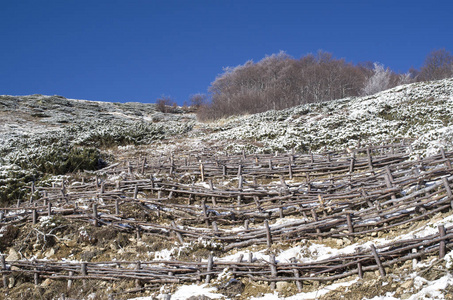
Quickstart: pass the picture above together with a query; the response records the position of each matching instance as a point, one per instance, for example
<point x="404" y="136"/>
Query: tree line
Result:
<point x="280" y="81"/>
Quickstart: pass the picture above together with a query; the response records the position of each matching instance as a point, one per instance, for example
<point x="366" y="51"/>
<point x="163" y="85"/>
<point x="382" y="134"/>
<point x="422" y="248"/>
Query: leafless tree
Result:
<point x="438" y="65"/>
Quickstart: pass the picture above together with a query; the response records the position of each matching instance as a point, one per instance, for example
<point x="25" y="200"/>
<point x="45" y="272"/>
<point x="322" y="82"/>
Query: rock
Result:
<point x="232" y="288"/>
<point x="11" y="282"/>
<point x="407" y="284"/>
<point x="200" y="297"/>
<point x="339" y="242"/>
<point x="405" y="296"/>
<point x="282" y="286"/>
<point x="13" y="255"/>
<point x="50" y="253"/>
<point x="46" y="282"/>
<point x="346" y="241"/>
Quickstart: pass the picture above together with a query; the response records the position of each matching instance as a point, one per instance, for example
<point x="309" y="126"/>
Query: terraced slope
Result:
<point x="351" y="197"/>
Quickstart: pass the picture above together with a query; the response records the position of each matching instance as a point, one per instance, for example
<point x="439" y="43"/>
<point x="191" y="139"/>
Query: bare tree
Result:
<point x="165" y="104"/>
<point x="438" y="65"/>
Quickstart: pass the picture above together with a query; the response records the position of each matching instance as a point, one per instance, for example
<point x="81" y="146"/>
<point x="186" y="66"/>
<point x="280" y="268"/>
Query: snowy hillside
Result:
<point x="126" y="190"/>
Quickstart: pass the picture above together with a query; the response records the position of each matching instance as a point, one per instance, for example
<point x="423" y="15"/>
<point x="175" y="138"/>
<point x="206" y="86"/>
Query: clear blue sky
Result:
<point x="139" y="50"/>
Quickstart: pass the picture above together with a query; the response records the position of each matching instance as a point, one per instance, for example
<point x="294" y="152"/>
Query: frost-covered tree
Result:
<point x="379" y="81"/>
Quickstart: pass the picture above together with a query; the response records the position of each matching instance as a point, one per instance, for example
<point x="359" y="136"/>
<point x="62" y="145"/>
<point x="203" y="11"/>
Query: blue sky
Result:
<point x="140" y="50"/>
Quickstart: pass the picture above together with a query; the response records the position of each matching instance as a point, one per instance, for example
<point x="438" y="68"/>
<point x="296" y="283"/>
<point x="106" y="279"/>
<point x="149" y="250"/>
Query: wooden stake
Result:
<point x="209" y="268"/>
<point x="273" y="266"/>
<point x="268" y="233"/>
<point x="378" y="261"/>
<point x="442" y="244"/>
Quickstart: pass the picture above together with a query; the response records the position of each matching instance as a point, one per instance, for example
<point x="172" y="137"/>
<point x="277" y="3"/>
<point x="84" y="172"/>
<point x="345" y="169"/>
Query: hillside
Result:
<point x="347" y="198"/>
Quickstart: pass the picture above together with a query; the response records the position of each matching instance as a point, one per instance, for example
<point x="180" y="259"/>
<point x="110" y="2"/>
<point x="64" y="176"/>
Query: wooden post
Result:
<point x="143" y="165"/>
<point x="273" y="266"/>
<point x="136" y="191"/>
<point x="3" y="265"/>
<point x="240" y="182"/>
<point x="290" y="169"/>
<point x="209" y="268"/>
<point x="95" y="215"/>
<point x="84" y="271"/>
<point x="350" y="225"/>
<point x="224" y="171"/>
<point x="378" y="261"/>
<point x="280" y="210"/>
<point x="298" y="282"/>
<point x="152" y="184"/>
<point x="447" y="162"/>
<point x="35" y="276"/>
<point x="129" y="168"/>
<point x="370" y="159"/>
<point x="447" y="188"/>
<point x="34" y="214"/>
<point x="270" y="164"/>
<point x="239" y="260"/>
<point x="315" y="217"/>
<point x="205" y="212"/>
<point x="268" y="233"/>
<point x="442" y="244"/>
<point x="360" y="270"/>
<point x="246" y="224"/>
<point x="102" y="188"/>
<point x="49" y="209"/>
<point x="138" y="266"/>
<point x="71" y="273"/>
<point x="178" y="234"/>
<point x="117" y="207"/>
<point x="202" y="172"/>
<point x="352" y="164"/>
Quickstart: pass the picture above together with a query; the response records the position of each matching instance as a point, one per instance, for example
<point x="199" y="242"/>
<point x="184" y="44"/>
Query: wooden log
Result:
<point x="290" y="170"/>
<point x="378" y="260"/>
<point x="442" y="243"/>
